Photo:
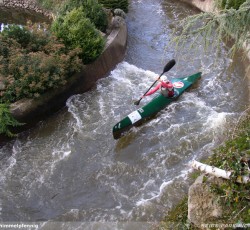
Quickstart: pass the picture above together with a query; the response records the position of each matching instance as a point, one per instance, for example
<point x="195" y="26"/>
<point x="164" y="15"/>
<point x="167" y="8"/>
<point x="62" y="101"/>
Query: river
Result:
<point x="70" y="169"/>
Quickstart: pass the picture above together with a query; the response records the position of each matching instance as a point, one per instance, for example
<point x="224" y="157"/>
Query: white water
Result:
<point x="69" y="168"/>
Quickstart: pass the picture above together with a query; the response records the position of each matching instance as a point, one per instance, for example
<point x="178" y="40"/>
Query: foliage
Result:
<point x="29" y="69"/>
<point x="214" y="29"/>
<point x="21" y="35"/>
<point x="90" y="9"/>
<point x="227" y="4"/>
<point x="177" y="218"/>
<point x="77" y="31"/>
<point x="7" y="121"/>
<point x="114" y="4"/>
<point x="232" y="155"/>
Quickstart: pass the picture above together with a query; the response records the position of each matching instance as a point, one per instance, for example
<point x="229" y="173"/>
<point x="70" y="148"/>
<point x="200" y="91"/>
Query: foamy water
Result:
<point x="69" y="167"/>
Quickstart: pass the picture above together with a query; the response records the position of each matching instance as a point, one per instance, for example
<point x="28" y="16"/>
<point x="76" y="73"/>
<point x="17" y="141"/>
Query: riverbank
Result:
<point x="217" y="203"/>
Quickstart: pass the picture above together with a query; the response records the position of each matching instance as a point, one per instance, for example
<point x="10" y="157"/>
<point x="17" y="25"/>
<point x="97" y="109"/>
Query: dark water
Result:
<point x="69" y="167"/>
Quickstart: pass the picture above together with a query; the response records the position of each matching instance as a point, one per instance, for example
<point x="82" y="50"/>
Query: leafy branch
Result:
<point x="7" y="120"/>
<point x="216" y="28"/>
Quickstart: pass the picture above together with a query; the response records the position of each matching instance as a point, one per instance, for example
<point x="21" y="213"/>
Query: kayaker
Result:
<point x="167" y="88"/>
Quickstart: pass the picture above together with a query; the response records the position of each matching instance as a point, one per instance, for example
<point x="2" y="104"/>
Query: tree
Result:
<point x="225" y="25"/>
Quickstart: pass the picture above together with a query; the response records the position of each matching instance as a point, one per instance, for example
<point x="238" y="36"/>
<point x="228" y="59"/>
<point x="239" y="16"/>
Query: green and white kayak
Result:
<point x="154" y="106"/>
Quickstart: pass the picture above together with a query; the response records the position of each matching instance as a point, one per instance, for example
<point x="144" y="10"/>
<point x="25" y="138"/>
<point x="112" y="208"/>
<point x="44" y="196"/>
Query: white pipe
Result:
<point x="218" y="172"/>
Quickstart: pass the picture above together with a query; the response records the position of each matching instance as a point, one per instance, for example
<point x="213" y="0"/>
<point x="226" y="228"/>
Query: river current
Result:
<point x="70" y="169"/>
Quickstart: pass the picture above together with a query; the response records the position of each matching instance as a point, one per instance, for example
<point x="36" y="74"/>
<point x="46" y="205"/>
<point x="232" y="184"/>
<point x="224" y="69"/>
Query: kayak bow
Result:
<point x="154" y="106"/>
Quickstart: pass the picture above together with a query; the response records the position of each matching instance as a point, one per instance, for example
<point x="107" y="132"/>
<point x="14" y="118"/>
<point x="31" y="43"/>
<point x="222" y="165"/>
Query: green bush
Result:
<point x="91" y="9"/>
<point x="115" y="4"/>
<point x="31" y="41"/>
<point x="7" y="121"/>
<point x="21" y="35"/>
<point x="28" y="70"/>
<point x="227" y="4"/>
<point x="77" y="31"/>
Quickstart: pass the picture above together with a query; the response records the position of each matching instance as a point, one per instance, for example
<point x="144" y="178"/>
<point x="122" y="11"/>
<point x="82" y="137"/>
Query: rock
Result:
<point x="21" y="107"/>
<point x="203" y="205"/>
<point x="117" y="22"/>
<point x="119" y="12"/>
<point x="204" y="5"/>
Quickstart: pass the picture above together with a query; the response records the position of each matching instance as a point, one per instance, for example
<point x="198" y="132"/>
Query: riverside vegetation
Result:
<point x="36" y="58"/>
<point x="233" y="197"/>
<point x="232" y="21"/>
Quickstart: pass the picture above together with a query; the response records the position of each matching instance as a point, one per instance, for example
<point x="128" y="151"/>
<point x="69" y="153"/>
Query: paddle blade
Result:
<point x="137" y="102"/>
<point x="169" y="65"/>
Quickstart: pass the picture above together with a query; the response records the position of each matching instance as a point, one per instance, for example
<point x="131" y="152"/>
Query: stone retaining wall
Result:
<point x="25" y="5"/>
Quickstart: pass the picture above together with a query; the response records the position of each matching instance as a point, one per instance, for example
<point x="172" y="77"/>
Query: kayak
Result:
<point x="158" y="103"/>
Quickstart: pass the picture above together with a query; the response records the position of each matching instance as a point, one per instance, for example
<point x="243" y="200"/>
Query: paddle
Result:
<point x="167" y="67"/>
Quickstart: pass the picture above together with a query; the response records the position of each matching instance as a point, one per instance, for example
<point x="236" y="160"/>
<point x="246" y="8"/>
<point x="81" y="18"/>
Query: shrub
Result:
<point x="30" y="70"/>
<point x="115" y="4"/>
<point x="227" y="4"/>
<point x="77" y="31"/>
<point x="21" y="35"/>
<point x="91" y="9"/>
<point x="7" y="120"/>
<point x="31" y="41"/>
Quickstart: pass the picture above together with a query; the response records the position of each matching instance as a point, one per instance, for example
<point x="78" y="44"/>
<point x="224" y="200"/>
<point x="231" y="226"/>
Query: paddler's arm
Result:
<point x="153" y="90"/>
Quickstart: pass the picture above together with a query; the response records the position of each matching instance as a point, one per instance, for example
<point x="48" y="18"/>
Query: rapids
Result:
<point x="69" y="167"/>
